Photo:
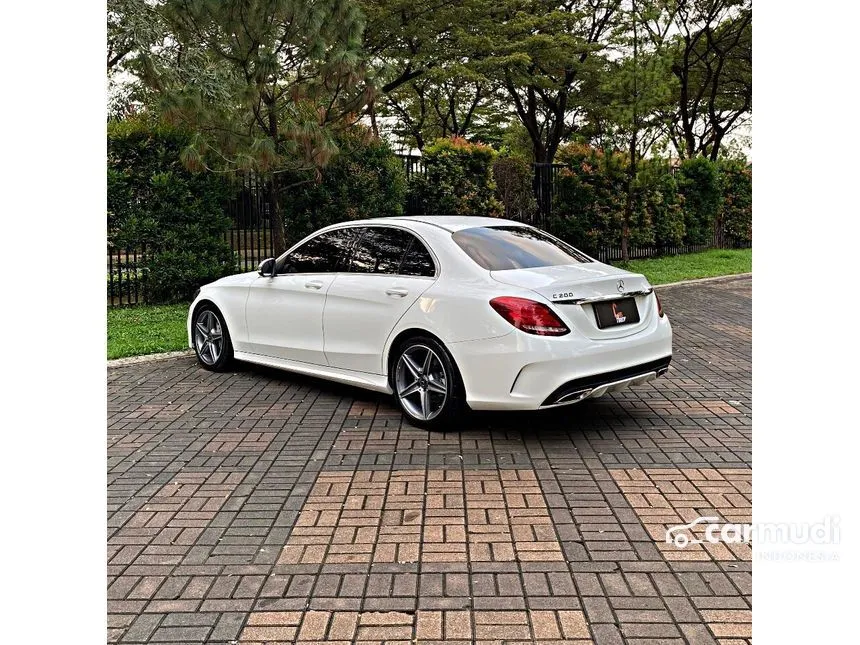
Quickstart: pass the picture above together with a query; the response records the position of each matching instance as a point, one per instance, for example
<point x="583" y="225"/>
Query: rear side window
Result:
<point x="380" y="250"/>
<point x="417" y="260"/>
<point x="498" y="248"/>
<point x="324" y="253"/>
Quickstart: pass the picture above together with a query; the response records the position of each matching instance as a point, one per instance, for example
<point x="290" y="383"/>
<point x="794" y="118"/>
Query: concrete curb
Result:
<point x="150" y="358"/>
<point x="718" y="278"/>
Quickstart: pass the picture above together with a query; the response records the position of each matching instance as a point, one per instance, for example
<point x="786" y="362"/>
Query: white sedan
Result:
<point x="443" y="312"/>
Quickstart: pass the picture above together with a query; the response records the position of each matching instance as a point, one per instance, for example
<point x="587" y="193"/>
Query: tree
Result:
<point x="423" y="67"/>
<point x="131" y="25"/>
<point x="710" y="42"/>
<point x="544" y="56"/>
<point x="263" y="84"/>
<point x="437" y="105"/>
<point x="636" y="86"/>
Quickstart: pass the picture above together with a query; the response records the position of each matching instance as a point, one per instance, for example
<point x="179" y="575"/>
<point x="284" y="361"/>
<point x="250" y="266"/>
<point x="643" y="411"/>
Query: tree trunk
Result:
<point x="631" y="170"/>
<point x="628" y="216"/>
<point x="277" y="218"/>
<point x="539" y="150"/>
<point x="279" y="241"/>
<point x="628" y="207"/>
<point x="374" y="127"/>
<point x="719" y="133"/>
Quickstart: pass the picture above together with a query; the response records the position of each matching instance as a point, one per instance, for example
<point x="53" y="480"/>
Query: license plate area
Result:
<point x="616" y="312"/>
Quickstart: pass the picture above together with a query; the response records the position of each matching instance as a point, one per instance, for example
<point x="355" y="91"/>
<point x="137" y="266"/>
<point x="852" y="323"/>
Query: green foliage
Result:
<point x="156" y="203"/>
<point x="589" y="206"/>
<point x="699" y="184"/>
<point x="262" y="85"/>
<point x="735" y="214"/>
<point x="669" y="209"/>
<point x="428" y="72"/>
<point x="710" y="43"/>
<point x="366" y="179"/>
<point x="517" y="142"/>
<point x="514" y="177"/>
<point x="660" y="198"/>
<point x="546" y="58"/>
<point x="459" y="179"/>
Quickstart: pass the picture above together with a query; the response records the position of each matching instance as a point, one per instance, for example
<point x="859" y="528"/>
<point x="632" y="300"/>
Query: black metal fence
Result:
<point x="251" y="233"/>
<point x="613" y="253"/>
<point x="126" y="275"/>
<point x="413" y="165"/>
<point x="250" y="236"/>
<point x="545" y="185"/>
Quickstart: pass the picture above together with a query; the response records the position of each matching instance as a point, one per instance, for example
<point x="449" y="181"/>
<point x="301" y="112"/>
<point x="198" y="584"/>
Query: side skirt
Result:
<point x="375" y="382"/>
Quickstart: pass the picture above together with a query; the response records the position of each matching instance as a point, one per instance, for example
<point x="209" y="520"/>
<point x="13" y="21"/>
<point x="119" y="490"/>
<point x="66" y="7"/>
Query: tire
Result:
<point x="211" y="339"/>
<point x="427" y="384"/>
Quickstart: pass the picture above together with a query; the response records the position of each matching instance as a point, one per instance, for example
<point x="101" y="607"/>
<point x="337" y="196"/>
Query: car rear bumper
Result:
<point x="594" y="386"/>
<point x="521" y="371"/>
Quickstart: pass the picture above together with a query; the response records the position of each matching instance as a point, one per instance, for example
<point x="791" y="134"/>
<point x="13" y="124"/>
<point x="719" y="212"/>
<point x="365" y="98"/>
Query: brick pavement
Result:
<point x="261" y="507"/>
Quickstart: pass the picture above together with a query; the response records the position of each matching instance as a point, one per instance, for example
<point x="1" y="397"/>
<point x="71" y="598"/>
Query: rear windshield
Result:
<point x="497" y="248"/>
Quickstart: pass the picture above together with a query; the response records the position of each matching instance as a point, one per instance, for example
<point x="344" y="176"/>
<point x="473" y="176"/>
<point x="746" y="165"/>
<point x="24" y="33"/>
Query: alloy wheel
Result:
<point x="421" y="382"/>
<point x="208" y="337"/>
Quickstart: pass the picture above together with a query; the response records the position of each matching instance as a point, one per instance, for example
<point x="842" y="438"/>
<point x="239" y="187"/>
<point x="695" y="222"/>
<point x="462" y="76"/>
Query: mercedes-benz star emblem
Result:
<point x="621" y="286"/>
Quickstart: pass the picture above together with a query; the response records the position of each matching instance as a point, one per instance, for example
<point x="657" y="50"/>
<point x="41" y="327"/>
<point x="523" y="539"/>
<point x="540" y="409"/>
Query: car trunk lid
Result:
<point x="575" y="291"/>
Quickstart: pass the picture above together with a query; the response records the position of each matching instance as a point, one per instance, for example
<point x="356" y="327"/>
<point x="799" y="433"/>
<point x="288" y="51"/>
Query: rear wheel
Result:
<point x="211" y="339"/>
<point x="427" y="384"/>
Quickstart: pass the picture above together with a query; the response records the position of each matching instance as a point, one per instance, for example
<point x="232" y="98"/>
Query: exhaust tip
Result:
<point x="571" y="397"/>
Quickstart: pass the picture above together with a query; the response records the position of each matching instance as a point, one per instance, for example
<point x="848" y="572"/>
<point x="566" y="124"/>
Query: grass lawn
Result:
<point x="707" y="264"/>
<point x="133" y="331"/>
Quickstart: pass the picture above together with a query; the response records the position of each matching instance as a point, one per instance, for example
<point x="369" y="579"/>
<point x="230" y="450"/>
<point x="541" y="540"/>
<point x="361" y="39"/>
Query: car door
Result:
<point x="388" y="270"/>
<point x="284" y="313"/>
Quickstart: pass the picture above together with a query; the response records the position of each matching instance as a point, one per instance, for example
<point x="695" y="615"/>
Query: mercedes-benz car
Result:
<point x="443" y="312"/>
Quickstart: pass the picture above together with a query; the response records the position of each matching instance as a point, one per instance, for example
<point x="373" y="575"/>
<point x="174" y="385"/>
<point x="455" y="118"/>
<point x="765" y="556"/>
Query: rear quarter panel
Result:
<point x="456" y="307"/>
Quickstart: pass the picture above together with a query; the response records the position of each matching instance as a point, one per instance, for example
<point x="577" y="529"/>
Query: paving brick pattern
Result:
<point x="260" y="507"/>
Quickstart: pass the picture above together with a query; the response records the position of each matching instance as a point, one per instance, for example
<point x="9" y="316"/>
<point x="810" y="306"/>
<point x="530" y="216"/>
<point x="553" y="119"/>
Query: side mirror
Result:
<point x="267" y="267"/>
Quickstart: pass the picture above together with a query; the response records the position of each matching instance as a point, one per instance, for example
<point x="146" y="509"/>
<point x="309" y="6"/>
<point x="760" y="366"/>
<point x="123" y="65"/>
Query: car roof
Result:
<point x="448" y="222"/>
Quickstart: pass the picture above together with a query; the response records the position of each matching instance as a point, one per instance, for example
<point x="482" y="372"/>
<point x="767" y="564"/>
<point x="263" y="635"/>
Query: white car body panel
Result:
<point x="344" y="330"/>
<point x="230" y="296"/>
<point x="285" y="316"/>
<point x="375" y="382"/>
<point x="360" y="312"/>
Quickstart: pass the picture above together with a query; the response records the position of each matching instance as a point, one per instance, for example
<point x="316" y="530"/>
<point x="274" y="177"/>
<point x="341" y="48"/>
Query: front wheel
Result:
<point x="211" y="339"/>
<point x="427" y="385"/>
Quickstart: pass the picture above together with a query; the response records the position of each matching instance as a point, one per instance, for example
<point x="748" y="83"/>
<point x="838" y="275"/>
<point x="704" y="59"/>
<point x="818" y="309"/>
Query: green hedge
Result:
<point x="156" y="203"/>
<point x="671" y="208"/>
<point x="458" y="179"/>
<point x="736" y="211"/>
<point x="590" y="198"/>
<point x="365" y="179"/>
<point x="514" y="177"/>
<point x="699" y="184"/>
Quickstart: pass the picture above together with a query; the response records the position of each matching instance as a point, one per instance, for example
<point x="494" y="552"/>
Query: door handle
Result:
<point x="398" y="292"/>
<point x="314" y="284"/>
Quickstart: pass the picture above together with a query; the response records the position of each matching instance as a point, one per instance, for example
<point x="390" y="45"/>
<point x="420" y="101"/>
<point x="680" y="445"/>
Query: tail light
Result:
<point x="529" y="316"/>
<point x="660" y="311"/>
